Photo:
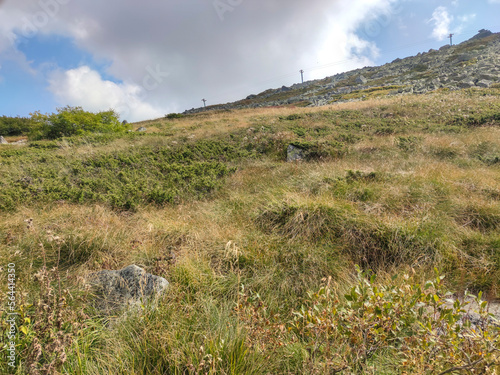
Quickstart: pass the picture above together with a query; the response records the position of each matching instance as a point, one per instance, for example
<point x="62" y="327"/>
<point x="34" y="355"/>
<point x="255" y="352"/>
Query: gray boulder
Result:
<point x="294" y="153"/>
<point x="484" y="83"/>
<point x="361" y="80"/>
<point x="141" y="129"/>
<point x="126" y="288"/>
<point x="466" y="84"/>
<point x="3" y="141"/>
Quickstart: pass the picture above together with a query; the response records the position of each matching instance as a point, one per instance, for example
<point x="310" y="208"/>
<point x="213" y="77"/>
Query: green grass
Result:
<point x="260" y="253"/>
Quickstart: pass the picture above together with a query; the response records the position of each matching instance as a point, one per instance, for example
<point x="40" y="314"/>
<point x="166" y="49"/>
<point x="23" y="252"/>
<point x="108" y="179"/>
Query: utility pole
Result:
<point x="302" y="75"/>
<point x="204" y="102"/>
<point x="451" y="39"/>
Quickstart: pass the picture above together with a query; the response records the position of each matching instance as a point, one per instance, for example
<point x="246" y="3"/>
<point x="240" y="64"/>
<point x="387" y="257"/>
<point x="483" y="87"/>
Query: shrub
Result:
<point x="69" y="121"/>
<point x="420" y="327"/>
<point x="318" y="150"/>
<point x="171" y="116"/>
<point x="291" y="117"/>
<point x="409" y="143"/>
<point x="10" y="126"/>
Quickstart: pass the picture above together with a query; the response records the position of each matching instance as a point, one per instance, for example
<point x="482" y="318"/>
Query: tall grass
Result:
<point x="246" y="239"/>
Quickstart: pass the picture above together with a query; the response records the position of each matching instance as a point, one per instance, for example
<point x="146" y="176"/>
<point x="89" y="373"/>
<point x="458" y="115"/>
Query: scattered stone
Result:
<point x="126" y="288"/>
<point x="20" y="142"/>
<point x="3" y="141"/>
<point x="141" y="129"/>
<point x="294" y="153"/>
<point x="361" y="80"/>
<point x="466" y="84"/>
<point x="482" y="34"/>
<point x="484" y="83"/>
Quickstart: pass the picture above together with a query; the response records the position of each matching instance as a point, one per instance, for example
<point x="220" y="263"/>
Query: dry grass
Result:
<point x="420" y="195"/>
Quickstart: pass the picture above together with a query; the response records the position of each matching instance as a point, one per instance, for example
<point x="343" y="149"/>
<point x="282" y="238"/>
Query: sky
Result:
<point x="145" y="59"/>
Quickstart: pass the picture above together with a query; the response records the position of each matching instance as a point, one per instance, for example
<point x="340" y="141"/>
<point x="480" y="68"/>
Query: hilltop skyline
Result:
<point x="153" y="59"/>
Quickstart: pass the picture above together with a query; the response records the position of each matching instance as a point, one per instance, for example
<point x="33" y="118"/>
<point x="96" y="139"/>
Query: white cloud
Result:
<point x="198" y="54"/>
<point x="85" y="87"/>
<point x="442" y="21"/>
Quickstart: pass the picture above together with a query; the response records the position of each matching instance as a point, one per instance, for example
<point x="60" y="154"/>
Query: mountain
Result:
<point x="473" y="63"/>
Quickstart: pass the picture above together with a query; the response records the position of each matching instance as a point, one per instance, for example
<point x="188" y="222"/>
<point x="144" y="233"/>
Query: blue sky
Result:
<point x="151" y="58"/>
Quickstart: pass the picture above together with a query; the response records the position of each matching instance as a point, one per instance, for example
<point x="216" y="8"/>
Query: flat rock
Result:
<point x="3" y="141"/>
<point x="294" y="153"/>
<point x="361" y="80"/>
<point x="484" y="83"/>
<point x="125" y="288"/>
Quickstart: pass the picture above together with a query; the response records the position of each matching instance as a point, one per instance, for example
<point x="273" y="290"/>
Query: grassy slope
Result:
<point x="209" y="202"/>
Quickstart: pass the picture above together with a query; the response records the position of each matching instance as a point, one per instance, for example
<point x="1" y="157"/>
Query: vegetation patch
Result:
<point x="69" y="121"/>
<point x="368" y="242"/>
<point x="122" y="179"/>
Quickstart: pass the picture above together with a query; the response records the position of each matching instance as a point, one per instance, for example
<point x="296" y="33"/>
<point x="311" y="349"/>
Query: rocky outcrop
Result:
<point x="294" y="153"/>
<point x="3" y="141"/>
<point x="474" y="63"/>
<point x="125" y="288"/>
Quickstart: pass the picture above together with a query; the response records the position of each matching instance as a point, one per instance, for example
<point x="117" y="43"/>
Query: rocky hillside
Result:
<point x="473" y="63"/>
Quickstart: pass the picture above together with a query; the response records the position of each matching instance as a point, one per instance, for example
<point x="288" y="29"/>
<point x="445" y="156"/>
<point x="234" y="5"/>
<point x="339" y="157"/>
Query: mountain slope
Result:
<point x="473" y="63"/>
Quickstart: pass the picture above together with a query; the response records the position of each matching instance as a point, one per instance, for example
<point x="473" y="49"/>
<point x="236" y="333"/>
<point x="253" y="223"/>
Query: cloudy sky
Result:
<point x="149" y="58"/>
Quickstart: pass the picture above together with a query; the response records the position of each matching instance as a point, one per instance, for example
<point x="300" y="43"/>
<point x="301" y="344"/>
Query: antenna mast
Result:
<point x="451" y="39"/>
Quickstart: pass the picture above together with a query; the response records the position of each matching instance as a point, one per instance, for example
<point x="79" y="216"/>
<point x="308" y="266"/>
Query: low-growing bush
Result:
<point x="421" y="328"/>
<point x="171" y="116"/>
<point x="367" y="241"/>
<point x="317" y="150"/>
<point x="123" y="180"/>
<point x="11" y="126"/>
<point x="401" y="326"/>
<point x="69" y="121"/>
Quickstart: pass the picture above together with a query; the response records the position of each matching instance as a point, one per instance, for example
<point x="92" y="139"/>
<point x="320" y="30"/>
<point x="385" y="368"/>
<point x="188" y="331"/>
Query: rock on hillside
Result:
<point x="473" y="63"/>
<point x="130" y="286"/>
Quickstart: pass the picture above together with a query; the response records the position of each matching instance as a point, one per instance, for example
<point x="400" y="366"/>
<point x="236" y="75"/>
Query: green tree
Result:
<point x="69" y="121"/>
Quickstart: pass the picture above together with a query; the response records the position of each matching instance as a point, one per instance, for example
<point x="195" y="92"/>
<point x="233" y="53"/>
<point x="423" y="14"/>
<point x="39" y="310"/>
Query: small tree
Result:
<point x="69" y="121"/>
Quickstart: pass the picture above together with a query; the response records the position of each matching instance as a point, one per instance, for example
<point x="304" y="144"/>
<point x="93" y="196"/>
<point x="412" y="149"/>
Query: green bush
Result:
<point x="171" y="116"/>
<point x="11" y="126"/>
<point x="69" y="121"/>
<point x="124" y="180"/>
<point x="421" y="328"/>
<point x="318" y="150"/>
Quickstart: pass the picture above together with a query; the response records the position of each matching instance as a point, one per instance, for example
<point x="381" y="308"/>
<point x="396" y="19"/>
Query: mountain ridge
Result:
<point x="472" y="63"/>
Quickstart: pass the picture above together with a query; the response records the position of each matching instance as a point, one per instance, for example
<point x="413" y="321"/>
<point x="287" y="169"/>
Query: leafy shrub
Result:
<point x="485" y="117"/>
<point x="397" y="327"/>
<point x="44" y="145"/>
<point x="122" y="179"/>
<point x="409" y="143"/>
<point x="69" y="121"/>
<point x="317" y="150"/>
<point x="418" y="326"/>
<point x="171" y="116"/>
<point x="291" y="117"/>
<point x="10" y="126"/>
